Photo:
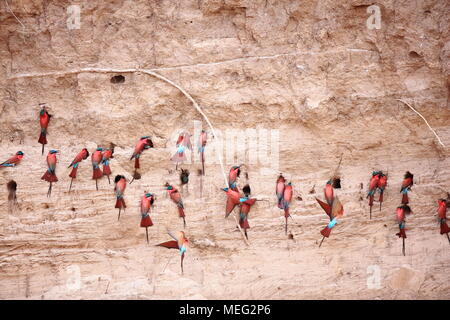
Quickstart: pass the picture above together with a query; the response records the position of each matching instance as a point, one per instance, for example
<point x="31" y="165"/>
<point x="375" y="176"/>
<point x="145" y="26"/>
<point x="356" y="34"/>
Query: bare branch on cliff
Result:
<point x="432" y="130"/>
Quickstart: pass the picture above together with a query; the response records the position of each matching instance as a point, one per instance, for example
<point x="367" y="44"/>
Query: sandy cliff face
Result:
<point x="310" y="73"/>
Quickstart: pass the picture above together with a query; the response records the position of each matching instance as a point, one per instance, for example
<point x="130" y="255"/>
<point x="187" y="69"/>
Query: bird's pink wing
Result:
<point x="172" y="244"/>
<point x="324" y="206"/>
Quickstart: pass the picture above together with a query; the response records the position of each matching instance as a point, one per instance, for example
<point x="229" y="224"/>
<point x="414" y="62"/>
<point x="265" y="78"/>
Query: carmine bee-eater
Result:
<point x="442" y="215"/>
<point x="201" y="148"/>
<point x="373" y="184"/>
<point x="119" y="188"/>
<point x="175" y="196"/>
<point x="50" y="174"/>
<point x="146" y="202"/>
<point x="106" y="155"/>
<point x="401" y="213"/>
<point x="234" y="173"/>
<point x="406" y="186"/>
<point x="44" y="119"/>
<point x="328" y="192"/>
<point x="13" y="161"/>
<point x="382" y="183"/>
<point x="287" y="198"/>
<point x="334" y="212"/>
<point x="183" y="143"/>
<point x="96" y="160"/>
<point x="246" y="204"/>
<point x="279" y="190"/>
<point x="180" y="242"/>
<point x="144" y="143"/>
<point x="82" y="155"/>
<point x="233" y="199"/>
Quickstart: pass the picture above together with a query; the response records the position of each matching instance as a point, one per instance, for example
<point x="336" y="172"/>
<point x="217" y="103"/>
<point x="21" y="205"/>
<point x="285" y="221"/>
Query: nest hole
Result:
<point x="337" y="183"/>
<point x="414" y="55"/>
<point x="118" y="79"/>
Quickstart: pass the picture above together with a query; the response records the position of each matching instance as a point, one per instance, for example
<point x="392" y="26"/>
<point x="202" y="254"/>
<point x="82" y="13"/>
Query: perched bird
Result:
<point x="442" y="215"/>
<point x="82" y="155"/>
<point x="50" y="174"/>
<point x="406" y="186"/>
<point x="96" y="160"/>
<point x="372" y="189"/>
<point x="106" y="155"/>
<point x="175" y="196"/>
<point x="382" y="183"/>
<point x="144" y="143"/>
<point x="119" y="188"/>
<point x="279" y="190"/>
<point x="287" y="197"/>
<point x="146" y="202"/>
<point x="234" y="173"/>
<point x="182" y="144"/>
<point x="246" y="204"/>
<point x="180" y="242"/>
<point x="13" y="161"/>
<point x="44" y="119"/>
<point x="401" y="213"/>
<point x="201" y="149"/>
<point x="328" y="191"/>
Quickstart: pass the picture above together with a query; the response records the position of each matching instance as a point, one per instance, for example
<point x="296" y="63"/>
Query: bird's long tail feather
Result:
<point x="323" y="238"/>
<point x="70" y="187"/>
<point x="73" y="173"/>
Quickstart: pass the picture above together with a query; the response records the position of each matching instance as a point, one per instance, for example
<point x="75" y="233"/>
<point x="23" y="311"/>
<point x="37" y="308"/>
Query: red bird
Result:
<point x="82" y="155"/>
<point x="50" y="174"/>
<point x="143" y="144"/>
<point x="279" y="190"/>
<point x="401" y="213"/>
<point x="119" y="188"/>
<point x="442" y="215"/>
<point x="406" y="186"/>
<point x="183" y="142"/>
<point x="287" y="197"/>
<point x="234" y="173"/>
<point x="382" y="183"/>
<point x="233" y="199"/>
<point x="334" y="211"/>
<point x="328" y="191"/>
<point x="175" y="196"/>
<point x="180" y="242"/>
<point x="96" y="160"/>
<point x="146" y="202"/>
<point x="106" y="155"/>
<point x="246" y="204"/>
<point x="372" y="189"/>
<point x="13" y="161"/>
<point x="44" y="119"/>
